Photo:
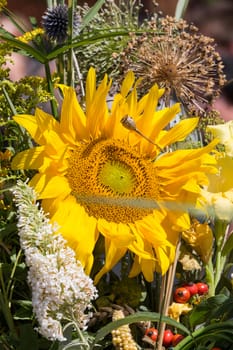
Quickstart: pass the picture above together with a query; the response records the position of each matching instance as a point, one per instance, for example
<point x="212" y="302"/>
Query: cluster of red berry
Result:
<point x="169" y="338"/>
<point x="185" y="292"/>
<point x="181" y="295"/>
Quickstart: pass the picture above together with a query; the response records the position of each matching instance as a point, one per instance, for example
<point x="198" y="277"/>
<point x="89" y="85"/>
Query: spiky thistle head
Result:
<point x="56" y="23"/>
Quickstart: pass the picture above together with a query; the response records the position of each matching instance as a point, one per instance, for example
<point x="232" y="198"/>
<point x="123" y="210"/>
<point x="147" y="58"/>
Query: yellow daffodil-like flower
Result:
<point x="175" y="310"/>
<point x="101" y="171"/>
<point x="224" y="132"/>
<point x="219" y="193"/>
<point x="200" y="238"/>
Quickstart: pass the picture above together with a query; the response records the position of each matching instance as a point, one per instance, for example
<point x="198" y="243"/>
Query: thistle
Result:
<point x="56" y="23"/>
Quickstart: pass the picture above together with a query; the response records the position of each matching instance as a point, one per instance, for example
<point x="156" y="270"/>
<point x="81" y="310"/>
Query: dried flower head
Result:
<point x="55" y="23"/>
<point x="178" y="58"/>
<point x="189" y="262"/>
<point x="61" y="290"/>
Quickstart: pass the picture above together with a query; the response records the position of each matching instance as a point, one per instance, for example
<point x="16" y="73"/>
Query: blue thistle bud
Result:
<point x="55" y="23"/>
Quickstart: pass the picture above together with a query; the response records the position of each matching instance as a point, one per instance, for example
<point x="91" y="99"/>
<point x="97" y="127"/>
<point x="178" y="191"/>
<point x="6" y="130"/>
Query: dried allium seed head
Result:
<point x="179" y="59"/>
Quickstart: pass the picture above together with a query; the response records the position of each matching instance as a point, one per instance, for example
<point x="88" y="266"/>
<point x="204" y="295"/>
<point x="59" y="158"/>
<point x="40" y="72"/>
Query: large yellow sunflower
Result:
<point x="99" y="176"/>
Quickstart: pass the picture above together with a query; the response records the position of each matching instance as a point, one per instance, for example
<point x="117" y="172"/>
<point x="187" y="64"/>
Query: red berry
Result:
<point x="192" y="287"/>
<point x="182" y="295"/>
<point x="167" y="337"/>
<point x="202" y="288"/>
<point x="176" y="339"/>
<point x="216" y="348"/>
<point x="152" y="333"/>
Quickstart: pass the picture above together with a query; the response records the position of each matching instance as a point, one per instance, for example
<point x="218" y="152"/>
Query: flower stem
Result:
<point x="215" y="268"/>
<point x="5" y="306"/>
<point x="51" y="90"/>
<point x="168" y="294"/>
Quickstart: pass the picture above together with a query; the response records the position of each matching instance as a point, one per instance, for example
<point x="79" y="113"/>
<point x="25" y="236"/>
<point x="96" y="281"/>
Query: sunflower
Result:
<point x="98" y="177"/>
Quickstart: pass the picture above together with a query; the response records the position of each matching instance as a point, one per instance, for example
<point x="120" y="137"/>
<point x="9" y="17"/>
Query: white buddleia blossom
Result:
<point x="61" y="291"/>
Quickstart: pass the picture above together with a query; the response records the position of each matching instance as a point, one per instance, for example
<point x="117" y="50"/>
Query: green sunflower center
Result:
<point x="118" y="177"/>
<point x="111" y="180"/>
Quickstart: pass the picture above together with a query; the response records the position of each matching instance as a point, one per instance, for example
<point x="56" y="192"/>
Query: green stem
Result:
<point x="4" y="306"/>
<point x="220" y="262"/>
<point x="85" y="345"/>
<point x="10" y="285"/>
<point x="70" y="70"/>
<point x="210" y="277"/>
<point x="51" y="90"/>
<point x="214" y="272"/>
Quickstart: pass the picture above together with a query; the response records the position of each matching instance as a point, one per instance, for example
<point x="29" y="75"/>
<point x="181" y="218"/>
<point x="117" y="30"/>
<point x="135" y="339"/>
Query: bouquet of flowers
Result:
<point x="116" y="187"/>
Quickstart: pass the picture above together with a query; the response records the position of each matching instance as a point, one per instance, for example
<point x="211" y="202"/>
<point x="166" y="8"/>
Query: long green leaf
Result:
<point x="216" y="331"/>
<point x="86" y="40"/>
<point x="27" y="50"/>
<point x="92" y="12"/>
<point x="137" y="317"/>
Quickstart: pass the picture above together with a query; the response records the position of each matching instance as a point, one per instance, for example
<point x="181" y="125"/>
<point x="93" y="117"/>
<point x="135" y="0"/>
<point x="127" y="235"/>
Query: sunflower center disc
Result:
<point x="111" y="180"/>
<point x="118" y="177"/>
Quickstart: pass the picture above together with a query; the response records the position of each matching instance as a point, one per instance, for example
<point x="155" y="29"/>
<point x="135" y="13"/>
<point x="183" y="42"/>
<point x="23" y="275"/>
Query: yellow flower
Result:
<point x="219" y="193"/>
<point x="3" y="3"/>
<point x="29" y="36"/>
<point x="224" y="132"/>
<point x="200" y="238"/>
<point x="175" y="310"/>
<point x="98" y="176"/>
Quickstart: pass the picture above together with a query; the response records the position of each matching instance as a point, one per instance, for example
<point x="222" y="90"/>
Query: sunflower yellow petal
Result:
<point x="79" y="229"/>
<point x="49" y="186"/>
<point x="113" y="254"/>
<point x="178" y="132"/>
<point x="119" y="232"/>
<point x="32" y="158"/>
<point x="127" y="83"/>
<point x="90" y="86"/>
<point x="97" y="110"/>
<point x="73" y="119"/>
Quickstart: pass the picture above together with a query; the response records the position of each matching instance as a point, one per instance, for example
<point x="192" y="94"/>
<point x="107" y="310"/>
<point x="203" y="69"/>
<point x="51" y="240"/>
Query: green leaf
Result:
<point x="25" y="310"/>
<point x="92" y="12"/>
<point x="224" y="310"/>
<point x="26" y="49"/>
<point x="205" y="310"/>
<point x="215" y="331"/>
<point x="137" y="317"/>
<point x="28" y="337"/>
<point x="228" y="246"/>
<point x="84" y="40"/>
